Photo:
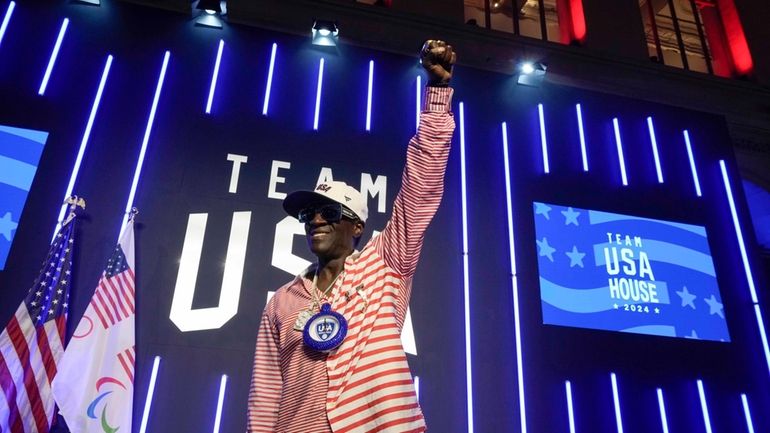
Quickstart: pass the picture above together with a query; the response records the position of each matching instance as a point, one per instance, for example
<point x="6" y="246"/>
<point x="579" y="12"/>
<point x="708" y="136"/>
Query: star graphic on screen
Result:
<point x="615" y="306"/>
<point x="575" y="257"/>
<point x="542" y="209"/>
<point x="693" y="335"/>
<point x="545" y="249"/>
<point x="657" y="310"/>
<point x="687" y="297"/>
<point x="570" y="216"/>
<point x="715" y="307"/>
<point x="7" y="225"/>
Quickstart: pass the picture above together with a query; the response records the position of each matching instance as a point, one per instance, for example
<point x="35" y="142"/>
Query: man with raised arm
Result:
<point x="329" y="356"/>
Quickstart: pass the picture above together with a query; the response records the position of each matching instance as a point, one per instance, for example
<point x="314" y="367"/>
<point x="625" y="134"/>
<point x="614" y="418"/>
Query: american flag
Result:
<point x="95" y="385"/>
<point x="33" y="342"/>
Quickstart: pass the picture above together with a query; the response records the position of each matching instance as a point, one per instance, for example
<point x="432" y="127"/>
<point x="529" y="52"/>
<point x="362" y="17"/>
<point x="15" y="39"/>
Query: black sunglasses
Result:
<point x="330" y="213"/>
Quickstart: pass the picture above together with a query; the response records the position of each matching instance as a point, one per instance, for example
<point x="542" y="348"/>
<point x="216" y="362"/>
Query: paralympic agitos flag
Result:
<point x="94" y="387"/>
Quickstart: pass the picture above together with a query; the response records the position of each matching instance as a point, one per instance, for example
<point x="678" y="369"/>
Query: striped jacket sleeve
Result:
<point x="422" y="183"/>
<point x="266" y="382"/>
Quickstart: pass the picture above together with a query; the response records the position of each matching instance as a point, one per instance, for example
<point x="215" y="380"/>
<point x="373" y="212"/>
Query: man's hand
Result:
<point x="437" y="58"/>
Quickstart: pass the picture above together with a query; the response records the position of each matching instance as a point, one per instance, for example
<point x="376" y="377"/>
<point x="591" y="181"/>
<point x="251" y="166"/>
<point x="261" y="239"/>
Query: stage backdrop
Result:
<point x="604" y="238"/>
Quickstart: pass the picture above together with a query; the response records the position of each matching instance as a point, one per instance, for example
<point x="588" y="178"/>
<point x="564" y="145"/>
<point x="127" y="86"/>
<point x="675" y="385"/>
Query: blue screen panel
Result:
<point x="615" y="272"/>
<point x="20" y="151"/>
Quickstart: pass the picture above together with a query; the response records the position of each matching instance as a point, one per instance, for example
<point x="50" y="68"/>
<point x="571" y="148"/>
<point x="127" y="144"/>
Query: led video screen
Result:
<point x="615" y="272"/>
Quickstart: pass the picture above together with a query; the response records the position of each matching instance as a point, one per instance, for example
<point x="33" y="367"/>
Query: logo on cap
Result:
<point x="323" y="187"/>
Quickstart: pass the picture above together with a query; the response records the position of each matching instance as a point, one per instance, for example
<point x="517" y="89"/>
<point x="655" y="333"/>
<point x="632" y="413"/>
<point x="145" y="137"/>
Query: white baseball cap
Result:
<point x="328" y="192"/>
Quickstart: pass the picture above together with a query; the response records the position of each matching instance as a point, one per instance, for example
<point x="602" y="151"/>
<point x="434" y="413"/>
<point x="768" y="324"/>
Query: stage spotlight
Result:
<point x="531" y="74"/>
<point x="88" y="2"/>
<point x="209" y="13"/>
<point x="325" y="33"/>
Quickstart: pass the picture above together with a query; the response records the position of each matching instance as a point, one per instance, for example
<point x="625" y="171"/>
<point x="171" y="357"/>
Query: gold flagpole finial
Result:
<point x="74" y="202"/>
<point x="132" y="214"/>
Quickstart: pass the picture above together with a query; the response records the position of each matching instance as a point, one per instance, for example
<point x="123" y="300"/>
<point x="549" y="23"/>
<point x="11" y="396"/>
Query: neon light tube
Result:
<point x="318" y="93"/>
<point x="214" y="76"/>
<point x="269" y="84"/>
<point x="582" y="137"/>
<point x="570" y="412"/>
<point x="150" y="393"/>
<point x="54" y="56"/>
<point x="616" y="401"/>
<point x="654" y="143"/>
<point x="543" y="142"/>
<point x="466" y="280"/>
<point x="747" y="413"/>
<point x="145" y="140"/>
<point x="7" y="19"/>
<point x="662" y="407"/>
<point x="369" y="97"/>
<point x="619" y="144"/>
<point x="738" y="232"/>
<point x="84" y="142"/>
<point x="692" y="163"/>
<point x="418" y="105"/>
<point x="220" y="402"/>
<point x="514" y="282"/>
<point x="417" y="387"/>
<point x="704" y="406"/>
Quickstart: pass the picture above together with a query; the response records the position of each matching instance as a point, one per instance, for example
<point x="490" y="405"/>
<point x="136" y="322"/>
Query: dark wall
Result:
<point x="186" y="172"/>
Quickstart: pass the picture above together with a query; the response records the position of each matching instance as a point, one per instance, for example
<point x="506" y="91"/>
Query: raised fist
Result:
<point x="437" y="58"/>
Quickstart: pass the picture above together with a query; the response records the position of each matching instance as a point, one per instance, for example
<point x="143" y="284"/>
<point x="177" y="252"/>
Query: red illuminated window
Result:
<point x="698" y="35"/>
<point x="559" y="21"/>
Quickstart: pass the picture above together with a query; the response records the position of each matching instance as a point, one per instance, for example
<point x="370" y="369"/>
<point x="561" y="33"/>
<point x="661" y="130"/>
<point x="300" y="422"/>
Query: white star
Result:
<point x="59" y="291"/>
<point x="38" y="293"/>
<point x="42" y="283"/>
<point x="33" y="303"/>
<point x="657" y="310"/>
<point x="59" y="235"/>
<point x="68" y="272"/>
<point x="66" y="250"/>
<point x="615" y="306"/>
<point x="63" y="282"/>
<point x="715" y="307"/>
<point x="64" y="305"/>
<point x="55" y="301"/>
<point x="71" y="240"/>
<point x="47" y="274"/>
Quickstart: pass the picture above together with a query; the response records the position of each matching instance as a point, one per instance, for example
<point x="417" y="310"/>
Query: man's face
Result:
<point x="332" y="240"/>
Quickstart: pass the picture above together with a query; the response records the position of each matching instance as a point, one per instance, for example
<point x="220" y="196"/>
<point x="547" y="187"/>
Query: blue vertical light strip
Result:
<point x="54" y="56"/>
<point x="662" y="408"/>
<point x="583" y="152"/>
<point x="418" y="102"/>
<point x="318" y="93"/>
<point x="6" y="19"/>
<point x="417" y="387"/>
<point x="543" y="141"/>
<point x="150" y="393"/>
<point x="693" y="169"/>
<point x="738" y="232"/>
<point x="514" y="282"/>
<point x="747" y="414"/>
<point x="616" y="402"/>
<point x="145" y="141"/>
<point x="269" y="84"/>
<point x="746" y="265"/>
<point x="654" y="143"/>
<point x="621" y="158"/>
<point x="570" y="410"/>
<point x="704" y="406"/>
<point x="369" y="97"/>
<point x="84" y="142"/>
<point x="220" y="402"/>
<point x="214" y="76"/>
<point x="466" y="279"/>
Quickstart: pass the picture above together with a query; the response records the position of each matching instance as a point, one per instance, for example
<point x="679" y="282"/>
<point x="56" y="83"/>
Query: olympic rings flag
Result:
<point x="94" y="387"/>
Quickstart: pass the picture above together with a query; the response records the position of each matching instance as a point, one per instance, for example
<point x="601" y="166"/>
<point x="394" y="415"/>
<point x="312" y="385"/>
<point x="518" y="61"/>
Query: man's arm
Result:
<point x="266" y="382"/>
<point x="422" y="183"/>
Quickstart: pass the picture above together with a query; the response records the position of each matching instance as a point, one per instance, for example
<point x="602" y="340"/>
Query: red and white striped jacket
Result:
<point x="364" y="385"/>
